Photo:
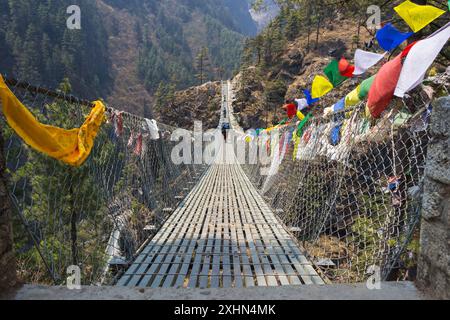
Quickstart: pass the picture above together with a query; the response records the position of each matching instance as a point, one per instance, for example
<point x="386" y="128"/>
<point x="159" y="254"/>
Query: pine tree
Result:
<point x="203" y="65"/>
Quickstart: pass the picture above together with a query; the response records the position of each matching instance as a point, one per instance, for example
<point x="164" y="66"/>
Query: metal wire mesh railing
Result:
<point x="352" y="195"/>
<point x="97" y="216"/>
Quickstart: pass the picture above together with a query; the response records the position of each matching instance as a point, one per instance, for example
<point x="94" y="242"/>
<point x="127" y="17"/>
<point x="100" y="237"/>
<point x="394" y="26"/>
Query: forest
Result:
<point x="36" y="45"/>
<point x="39" y="48"/>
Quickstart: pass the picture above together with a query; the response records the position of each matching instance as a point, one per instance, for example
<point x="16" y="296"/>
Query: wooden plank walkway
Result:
<point x="223" y="235"/>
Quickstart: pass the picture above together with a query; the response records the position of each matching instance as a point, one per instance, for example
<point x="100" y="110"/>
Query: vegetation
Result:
<point x="37" y="46"/>
<point x="64" y="207"/>
<point x="203" y="65"/>
<point x="178" y="40"/>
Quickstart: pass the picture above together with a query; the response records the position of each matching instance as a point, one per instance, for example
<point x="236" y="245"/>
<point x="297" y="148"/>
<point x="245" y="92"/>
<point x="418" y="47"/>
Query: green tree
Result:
<point x="203" y="65"/>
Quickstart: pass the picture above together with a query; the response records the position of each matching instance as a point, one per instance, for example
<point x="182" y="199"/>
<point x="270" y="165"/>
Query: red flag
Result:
<point x="383" y="87"/>
<point x="291" y="110"/>
<point x="345" y="68"/>
<point x="408" y="49"/>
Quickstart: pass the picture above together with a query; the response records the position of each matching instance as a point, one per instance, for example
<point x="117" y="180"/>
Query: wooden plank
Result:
<point x="207" y="212"/>
<point x="222" y="235"/>
<point x="188" y="244"/>
<point x="265" y="229"/>
<point x="260" y="250"/>
<point x="215" y="272"/>
<point x="150" y="253"/>
<point x="238" y="256"/>
<point x="249" y="280"/>
<point x="227" y="277"/>
<point x="259" y="273"/>
<point x="300" y="263"/>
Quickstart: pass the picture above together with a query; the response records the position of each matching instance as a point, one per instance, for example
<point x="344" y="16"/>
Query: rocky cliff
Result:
<point x="182" y="108"/>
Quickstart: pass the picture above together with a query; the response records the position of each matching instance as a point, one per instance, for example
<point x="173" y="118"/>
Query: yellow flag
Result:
<point x="70" y="146"/>
<point x="367" y="112"/>
<point x="352" y="98"/>
<point x="321" y="86"/>
<point x="300" y="115"/>
<point x="417" y="16"/>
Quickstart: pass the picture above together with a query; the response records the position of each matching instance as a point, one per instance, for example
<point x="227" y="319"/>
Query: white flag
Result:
<point x="419" y="59"/>
<point x="302" y="104"/>
<point x="365" y="60"/>
<point x="153" y="128"/>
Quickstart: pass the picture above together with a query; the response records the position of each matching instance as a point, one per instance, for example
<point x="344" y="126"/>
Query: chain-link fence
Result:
<point x="350" y="189"/>
<point x="96" y="216"/>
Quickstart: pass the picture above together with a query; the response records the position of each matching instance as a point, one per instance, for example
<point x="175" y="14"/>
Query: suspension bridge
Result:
<point x="222" y="235"/>
<point x="129" y="217"/>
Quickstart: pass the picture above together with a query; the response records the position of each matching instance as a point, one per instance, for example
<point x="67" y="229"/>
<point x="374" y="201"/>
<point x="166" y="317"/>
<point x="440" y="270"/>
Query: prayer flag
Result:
<point x="345" y="68"/>
<point x="333" y="74"/>
<point x="383" y="87"/>
<point x="419" y="59"/>
<point x="300" y="115"/>
<point x="70" y="146"/>
<point x="364" y="60"/>
<point x="153" y="128"/>
<point x="418" y="16"/>
<point x="301" y="104"/>
<point x="309" y="98"/>
<point x="340" y="105"/>
<point x="365" y="87"/>
<point x="321" y="86"/>
<point x="352" y="98"/>
<point x="390" y="38"/>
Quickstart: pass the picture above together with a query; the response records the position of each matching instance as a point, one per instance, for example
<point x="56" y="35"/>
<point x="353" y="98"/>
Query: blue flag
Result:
<point x="390" y="38"/>
<point x="340" y="105"/>
<point x="309" y="98"/>
<point x="335" y="135"/>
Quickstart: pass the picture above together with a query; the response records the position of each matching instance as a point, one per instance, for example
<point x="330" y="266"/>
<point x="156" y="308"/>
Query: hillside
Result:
<point x="263" y="17"/>
<point x="158" y="41"/>
<point x="36" y="46"/>
<point x="261" y="91"/>
<point x="182" y="108"/>
<point x="125" y="48"/>
<point x="294" y="48"/>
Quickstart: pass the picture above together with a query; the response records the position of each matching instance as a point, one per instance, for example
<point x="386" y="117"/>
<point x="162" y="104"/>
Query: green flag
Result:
<point x="333" y="74"/>
<point x="365" y="87"/>
<point x="302" y="125"/>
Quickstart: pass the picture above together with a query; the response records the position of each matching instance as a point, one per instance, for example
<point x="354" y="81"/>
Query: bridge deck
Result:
<point x="222" y="235"/>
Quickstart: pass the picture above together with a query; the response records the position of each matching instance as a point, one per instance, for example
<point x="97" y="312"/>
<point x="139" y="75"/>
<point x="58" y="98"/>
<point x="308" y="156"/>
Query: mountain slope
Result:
<point x="125" y="48"/>
<point x="263" y="17"/>
<point x="296" y="46"/>
<point x="36" y="45"/>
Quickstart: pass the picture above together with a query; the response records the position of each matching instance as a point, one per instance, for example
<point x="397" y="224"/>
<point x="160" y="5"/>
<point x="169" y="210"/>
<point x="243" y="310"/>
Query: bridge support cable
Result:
<point x="95" y="217"/>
